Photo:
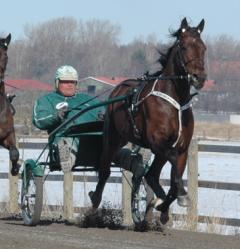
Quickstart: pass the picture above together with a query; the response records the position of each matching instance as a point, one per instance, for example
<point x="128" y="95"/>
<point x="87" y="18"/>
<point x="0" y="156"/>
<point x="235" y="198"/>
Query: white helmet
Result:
<point x="65" y="73"/>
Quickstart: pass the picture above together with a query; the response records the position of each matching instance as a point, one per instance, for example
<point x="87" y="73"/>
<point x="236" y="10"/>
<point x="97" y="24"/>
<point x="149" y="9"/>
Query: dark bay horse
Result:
<point x="7" y="133"/>
<point x="158" y="116"/>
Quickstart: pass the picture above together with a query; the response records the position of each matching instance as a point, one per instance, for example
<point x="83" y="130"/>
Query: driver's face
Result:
<point x="67" y="87"/>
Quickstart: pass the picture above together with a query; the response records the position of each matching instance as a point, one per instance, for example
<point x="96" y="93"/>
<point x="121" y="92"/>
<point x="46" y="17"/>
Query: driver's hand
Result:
<point x="101" y="115"/>
<point x="62" y="110"/>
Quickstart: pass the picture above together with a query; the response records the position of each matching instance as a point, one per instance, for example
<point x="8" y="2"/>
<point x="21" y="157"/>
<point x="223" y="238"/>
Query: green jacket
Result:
<point x="45" y="114"/>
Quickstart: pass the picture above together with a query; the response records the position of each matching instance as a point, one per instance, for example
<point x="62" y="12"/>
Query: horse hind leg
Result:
<point x="103" y="174"/>
<point x="104" y="170"/>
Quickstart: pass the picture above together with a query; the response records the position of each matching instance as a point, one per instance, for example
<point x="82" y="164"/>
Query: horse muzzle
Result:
<point x="197" y="80"/>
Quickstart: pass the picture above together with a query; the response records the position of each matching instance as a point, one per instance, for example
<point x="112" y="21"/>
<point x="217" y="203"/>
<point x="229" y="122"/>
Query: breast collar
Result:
<point x="167" y="98"/>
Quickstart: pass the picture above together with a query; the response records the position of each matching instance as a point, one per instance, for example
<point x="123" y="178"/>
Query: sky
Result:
<point x="137" y="18"/>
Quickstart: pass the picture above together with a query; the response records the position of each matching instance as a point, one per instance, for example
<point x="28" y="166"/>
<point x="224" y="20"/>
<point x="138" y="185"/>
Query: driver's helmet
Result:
<point x="65" y="73"/>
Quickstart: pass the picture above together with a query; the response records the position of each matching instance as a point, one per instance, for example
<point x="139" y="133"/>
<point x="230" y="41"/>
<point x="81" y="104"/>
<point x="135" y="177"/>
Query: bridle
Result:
<point x="190" y="77"/>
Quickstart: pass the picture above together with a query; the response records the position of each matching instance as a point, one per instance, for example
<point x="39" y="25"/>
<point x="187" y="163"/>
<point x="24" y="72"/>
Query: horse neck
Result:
<point x="2" y="89"/>
<point x="178" y="88"/>
<point x="2" y="97"/>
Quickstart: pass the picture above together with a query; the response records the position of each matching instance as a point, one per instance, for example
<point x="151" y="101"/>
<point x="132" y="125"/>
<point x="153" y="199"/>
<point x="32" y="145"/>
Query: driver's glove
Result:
<point x="62" y="110"/>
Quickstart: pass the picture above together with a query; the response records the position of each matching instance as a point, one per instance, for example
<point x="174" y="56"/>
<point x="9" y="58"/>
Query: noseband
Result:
<point x="190" y="77"/>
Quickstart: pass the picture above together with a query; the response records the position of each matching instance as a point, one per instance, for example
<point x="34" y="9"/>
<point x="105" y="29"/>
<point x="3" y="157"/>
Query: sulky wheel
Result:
<point x="141" y="197"/>
<point x="31" y="197"/>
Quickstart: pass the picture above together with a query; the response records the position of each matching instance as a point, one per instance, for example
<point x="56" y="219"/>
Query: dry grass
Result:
<point x="225" y="131"/>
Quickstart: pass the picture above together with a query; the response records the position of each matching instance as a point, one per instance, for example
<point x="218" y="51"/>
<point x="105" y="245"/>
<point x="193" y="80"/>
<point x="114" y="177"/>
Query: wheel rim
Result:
<point x="29" y="199"/>
<point x="140" y="204"/>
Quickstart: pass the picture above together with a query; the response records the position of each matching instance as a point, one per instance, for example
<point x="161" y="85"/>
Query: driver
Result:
<point x="53" y="109"/>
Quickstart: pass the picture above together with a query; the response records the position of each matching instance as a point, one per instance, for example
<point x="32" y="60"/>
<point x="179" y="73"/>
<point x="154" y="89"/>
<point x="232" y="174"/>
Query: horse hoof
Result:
<point x="141" y="226"/>
<point x="91" y="211"/>
<point x="91" y="196"/>
<point x="164" y="218"/>
<point x="15" y="170"/>
<point x="183" y="201"/>
<point x="95" y="201"/>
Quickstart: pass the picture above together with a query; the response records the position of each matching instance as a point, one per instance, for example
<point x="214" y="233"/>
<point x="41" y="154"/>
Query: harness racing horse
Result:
<point x="7" y="132"/>
<point x="159" y="117"/>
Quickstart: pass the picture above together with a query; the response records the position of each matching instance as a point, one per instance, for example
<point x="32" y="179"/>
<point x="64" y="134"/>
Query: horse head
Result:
<point x="4" y="42"/>
<point x="190" y="50"/>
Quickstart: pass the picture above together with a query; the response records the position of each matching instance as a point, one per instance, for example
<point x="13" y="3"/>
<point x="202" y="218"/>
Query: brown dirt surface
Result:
<point x="53" y="235"/>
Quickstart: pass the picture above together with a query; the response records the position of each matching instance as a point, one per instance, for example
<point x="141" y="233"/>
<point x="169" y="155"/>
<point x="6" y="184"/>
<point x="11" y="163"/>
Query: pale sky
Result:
<point x="137" y="18"/>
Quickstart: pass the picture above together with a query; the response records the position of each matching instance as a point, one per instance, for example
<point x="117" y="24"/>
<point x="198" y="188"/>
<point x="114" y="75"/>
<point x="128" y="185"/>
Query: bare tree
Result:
<point x="98" y="41"/>
<point x="49" y="45"/>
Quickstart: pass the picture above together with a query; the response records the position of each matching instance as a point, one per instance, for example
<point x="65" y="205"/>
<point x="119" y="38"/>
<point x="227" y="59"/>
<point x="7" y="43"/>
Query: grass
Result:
<point x="224" y="131"/>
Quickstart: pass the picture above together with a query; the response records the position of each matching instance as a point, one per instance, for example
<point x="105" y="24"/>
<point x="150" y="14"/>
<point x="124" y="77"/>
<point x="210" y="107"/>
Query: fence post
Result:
<point x="13" y="192"/>
<point x="192" y="212"/>
<point x="126" y="197"/>
<point x="13" y="189"/>
<point x="68" y="195"/>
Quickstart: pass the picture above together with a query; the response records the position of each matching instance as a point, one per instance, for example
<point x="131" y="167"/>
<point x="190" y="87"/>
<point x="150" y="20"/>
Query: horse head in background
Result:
<point x="4" y="42"/>
<point x="7" y="132"/>
<point x="158" y="116"/>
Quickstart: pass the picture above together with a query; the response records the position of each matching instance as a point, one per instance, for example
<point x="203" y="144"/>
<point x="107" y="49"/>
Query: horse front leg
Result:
<point x="10" y="144"/>
<point x="152" y="178"/>
<point x="177" y="188"/>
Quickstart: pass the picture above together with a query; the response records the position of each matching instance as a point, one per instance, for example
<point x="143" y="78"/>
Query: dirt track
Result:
<point x="48" y="235"/>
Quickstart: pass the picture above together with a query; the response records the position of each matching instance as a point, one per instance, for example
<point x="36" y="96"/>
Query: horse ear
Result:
<point x="8" y="39"/>
<point x="184" y="25"/>
<point x="200" y="26"/>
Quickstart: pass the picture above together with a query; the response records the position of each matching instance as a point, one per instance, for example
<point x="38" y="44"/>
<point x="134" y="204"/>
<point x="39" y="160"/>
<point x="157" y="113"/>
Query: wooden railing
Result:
<point x="192" y="183"/>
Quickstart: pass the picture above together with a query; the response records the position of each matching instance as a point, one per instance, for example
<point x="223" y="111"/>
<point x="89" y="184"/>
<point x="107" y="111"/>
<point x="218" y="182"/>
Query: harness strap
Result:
<point x="173" y="102"/>
<point x="176" y="105"/>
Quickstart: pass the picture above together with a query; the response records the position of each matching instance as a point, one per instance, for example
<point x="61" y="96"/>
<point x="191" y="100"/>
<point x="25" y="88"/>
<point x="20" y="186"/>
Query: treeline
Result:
<point x="93" y="48"/>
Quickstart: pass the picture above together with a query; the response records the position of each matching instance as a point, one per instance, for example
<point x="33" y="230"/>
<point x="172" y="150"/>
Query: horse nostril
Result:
<point x="195" y="77"/>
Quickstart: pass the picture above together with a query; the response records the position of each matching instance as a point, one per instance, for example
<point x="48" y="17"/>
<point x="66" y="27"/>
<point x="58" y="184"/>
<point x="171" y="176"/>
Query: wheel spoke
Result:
<point x="31" y="199"/>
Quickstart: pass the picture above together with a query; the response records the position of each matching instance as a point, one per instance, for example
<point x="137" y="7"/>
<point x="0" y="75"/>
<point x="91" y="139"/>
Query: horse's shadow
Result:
<point x="16" y="220"/>
<point x="103" y="218"/>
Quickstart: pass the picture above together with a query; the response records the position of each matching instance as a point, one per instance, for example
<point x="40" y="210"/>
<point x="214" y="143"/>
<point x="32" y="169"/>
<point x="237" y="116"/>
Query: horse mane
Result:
<point x="162" y="60"/>
<point x="164" y="56"/>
